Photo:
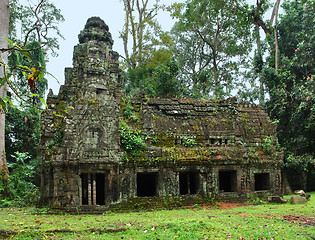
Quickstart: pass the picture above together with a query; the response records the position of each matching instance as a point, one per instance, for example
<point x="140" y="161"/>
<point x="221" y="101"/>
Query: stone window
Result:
<point x="100" y="91"/>
<point x="188" y="183"/>
<point x="262" y="181"/>
<point x="93" y="138"/>
<point x="219" y="141"/>
<point x="227" y="181"/>
<point x="93" y="189"/>
<point x="147" y="184"/>
<point x="178" y="141"/>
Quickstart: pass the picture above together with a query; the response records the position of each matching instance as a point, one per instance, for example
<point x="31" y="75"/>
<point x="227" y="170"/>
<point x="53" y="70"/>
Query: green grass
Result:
<point x="248" y="222"/>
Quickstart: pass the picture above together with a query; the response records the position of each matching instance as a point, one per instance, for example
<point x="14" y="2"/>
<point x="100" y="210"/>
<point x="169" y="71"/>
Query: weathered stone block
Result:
<point x="298" y="200"/>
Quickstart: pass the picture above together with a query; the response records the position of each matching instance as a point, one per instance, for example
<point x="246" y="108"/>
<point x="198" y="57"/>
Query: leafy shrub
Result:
<point x="300" y="163"/>
<point x="19" y="188"/>
<point x="268" y="145"/>
<point x="132" y="140"/>
<point x="129" y="112"/>
<point x="188" y="142"/>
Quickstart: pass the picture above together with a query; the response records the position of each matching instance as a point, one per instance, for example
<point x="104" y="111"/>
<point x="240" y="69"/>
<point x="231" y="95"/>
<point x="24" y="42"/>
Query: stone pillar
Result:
<point x="94" y="189"/>
<point x="80" y="190"/>
<point x="89" y="190"/>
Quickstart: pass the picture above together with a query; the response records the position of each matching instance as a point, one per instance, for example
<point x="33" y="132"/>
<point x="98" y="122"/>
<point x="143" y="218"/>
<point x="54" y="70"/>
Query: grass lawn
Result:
<point x="265" y="221"/>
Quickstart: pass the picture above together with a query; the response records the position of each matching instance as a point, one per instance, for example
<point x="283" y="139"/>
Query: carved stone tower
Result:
<point x="80" y="129"/>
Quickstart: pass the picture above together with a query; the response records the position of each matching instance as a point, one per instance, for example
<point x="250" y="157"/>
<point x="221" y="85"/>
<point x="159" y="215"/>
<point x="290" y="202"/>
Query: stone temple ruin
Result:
<point x="100" y="149"/>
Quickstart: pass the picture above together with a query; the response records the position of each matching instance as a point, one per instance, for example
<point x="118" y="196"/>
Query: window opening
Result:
<point x="262" y="181"/>
<point x="99" y="91"/>
<point x="178" y="141"/>
<point x="227" y="181"/>
<point x="147" y="184"/>
<point x="93" y="137"/>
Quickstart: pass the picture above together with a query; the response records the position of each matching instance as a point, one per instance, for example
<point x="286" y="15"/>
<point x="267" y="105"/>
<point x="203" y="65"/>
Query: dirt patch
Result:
<point x="224" y="205"/>
<point x="310" y="221"/>
<point x="221" y="205"/>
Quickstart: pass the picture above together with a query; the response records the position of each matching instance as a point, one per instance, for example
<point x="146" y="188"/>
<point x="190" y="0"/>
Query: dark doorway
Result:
<point x="146" y="184"/>
<point x="93" y="189"/>
<point x="100" y="189"/>
<point x="227" y="181"/>
<point x="262" y="181"/>
<point x="188" y="183"/>
<point x="84" y="187"/>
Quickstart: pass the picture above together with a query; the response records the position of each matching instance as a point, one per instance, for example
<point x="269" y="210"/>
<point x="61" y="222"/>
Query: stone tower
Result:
<point x="80" y="129"/>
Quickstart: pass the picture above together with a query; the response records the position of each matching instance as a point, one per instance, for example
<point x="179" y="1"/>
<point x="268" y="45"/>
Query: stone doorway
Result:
<point x="262" y="181"/>
<point x="227" y="181"/>
<point x="92" y="189"/>
<point x="188" y="183"/>
<point x="147" y="184"/>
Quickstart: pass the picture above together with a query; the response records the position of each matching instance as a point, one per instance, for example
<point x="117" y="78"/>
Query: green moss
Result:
<point x="165" y="139"/>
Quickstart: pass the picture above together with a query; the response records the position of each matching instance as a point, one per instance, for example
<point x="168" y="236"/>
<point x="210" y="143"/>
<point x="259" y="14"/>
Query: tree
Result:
<point x="292" y="86"/>
<point x="160" y="80"/>
<point x="150" y="45"/>
<point x="36" y="23"/>
<point x="213" y="41"/>
<point x="4" y="33"/>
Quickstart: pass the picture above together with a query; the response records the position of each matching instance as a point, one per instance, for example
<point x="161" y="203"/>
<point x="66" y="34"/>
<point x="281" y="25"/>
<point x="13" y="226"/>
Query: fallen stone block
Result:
<point x="298" y="200"/>
<point x="277" y="199"/>
<point x="300" y="192"/>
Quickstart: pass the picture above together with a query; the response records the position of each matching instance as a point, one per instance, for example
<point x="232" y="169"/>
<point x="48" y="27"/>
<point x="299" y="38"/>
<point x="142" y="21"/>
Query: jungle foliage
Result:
<point x="29" y="43"/>
<point x="292" y="89"/>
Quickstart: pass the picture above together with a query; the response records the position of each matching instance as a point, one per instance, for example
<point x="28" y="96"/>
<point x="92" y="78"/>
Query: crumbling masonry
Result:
<point x="99" y="149"/>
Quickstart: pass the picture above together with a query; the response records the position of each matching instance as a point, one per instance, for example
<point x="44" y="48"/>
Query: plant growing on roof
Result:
<point x="132" y="140"/>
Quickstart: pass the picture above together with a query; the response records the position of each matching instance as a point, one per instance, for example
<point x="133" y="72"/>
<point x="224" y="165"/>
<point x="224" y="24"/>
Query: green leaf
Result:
<point x="8" y="40"/>
<point x="3" y="105"/>
<point x="53" y="77"/>
<point x="2" y="81"/>
<point x="8" y="101"/>
<point x="58" y="115"/>
<point x="44" y="102"/>
<point x="33" y="95"/>
<point x="24" y="67"/>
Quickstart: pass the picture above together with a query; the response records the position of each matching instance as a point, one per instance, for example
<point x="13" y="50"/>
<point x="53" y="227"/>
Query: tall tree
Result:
<point x="292" y="86"/>
<point x="149" y="43"/>
<point x="36" y="21"/>
<point x="4" y="33"/>
<point x="213" y="40"/>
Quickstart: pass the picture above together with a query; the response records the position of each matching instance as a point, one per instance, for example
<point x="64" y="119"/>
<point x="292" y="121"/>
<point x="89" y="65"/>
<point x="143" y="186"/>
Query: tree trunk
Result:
<point x="277" y="5"/>
<point x="4" y="32"/>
